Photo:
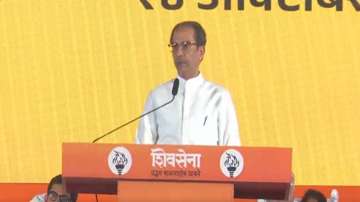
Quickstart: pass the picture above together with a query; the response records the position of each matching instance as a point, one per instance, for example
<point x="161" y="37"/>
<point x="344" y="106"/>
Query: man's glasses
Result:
<point x="53" y="196"/>
<point x="184" y="46"/>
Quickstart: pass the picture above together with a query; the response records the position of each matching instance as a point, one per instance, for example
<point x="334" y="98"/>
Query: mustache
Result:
<point x="178" y="62"/>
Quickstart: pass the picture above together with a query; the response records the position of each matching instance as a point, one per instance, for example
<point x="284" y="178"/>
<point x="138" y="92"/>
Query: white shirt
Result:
<point x="202" y="113"/>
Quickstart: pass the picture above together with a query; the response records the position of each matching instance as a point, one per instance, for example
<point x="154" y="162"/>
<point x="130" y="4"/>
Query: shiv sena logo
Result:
<point x="119" y="160"/>
<point x="231" y="163"/>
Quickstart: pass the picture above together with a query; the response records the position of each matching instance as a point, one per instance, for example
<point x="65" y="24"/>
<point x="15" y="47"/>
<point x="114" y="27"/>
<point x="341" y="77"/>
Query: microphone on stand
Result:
<point x="174" y="93"/>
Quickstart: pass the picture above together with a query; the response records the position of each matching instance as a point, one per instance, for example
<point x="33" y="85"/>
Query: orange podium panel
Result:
<point x="173" y="172"/>
<point x="175" y="191"/>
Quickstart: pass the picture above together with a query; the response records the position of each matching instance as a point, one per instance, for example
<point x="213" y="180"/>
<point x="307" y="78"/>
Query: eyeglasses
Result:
<point x="53" y="196"/>
<point x="184" y="46"/>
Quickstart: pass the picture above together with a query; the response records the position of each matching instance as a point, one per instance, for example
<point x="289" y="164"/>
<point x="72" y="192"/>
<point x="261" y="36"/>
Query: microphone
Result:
<point x="175" y="88"/>
<point x="173" y="92"/>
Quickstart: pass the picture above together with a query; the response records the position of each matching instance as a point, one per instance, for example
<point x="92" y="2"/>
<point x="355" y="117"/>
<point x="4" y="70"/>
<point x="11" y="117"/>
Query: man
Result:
<point x="202" y="112"/>
<point x="313" y="195"/>
<point x="55" y="192"/>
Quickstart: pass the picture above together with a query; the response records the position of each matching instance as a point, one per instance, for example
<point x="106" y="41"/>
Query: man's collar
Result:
<point x="193" y="82"/>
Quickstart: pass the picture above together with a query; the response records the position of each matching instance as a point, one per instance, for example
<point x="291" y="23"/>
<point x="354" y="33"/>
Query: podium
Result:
<point x="177" y="172"/>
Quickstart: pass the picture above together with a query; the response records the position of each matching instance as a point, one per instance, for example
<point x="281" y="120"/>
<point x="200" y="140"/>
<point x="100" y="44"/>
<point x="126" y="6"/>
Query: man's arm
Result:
<point x="147" y="130"/>
<point x="228" y="124"/>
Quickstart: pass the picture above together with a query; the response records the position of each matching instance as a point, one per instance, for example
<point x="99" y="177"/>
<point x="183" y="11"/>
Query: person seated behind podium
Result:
<point x="312" y="195"/>
<point x="56" y="192"/>
<point x="202" y="112"/>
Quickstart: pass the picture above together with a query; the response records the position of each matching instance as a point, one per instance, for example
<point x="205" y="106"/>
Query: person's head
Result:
<point x="312" y="195"/>
<point x="56" y="191"/>
<point x="188" y="40"/>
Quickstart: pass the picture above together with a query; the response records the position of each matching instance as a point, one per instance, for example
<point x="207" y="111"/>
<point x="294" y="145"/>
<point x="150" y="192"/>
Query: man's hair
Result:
<point x="58" y="180"/>
<point x="313" y="194"/>
<point x="200" y="35"/>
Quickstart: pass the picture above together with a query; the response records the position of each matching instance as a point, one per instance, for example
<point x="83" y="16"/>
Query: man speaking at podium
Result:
<point x="199" y="112"/>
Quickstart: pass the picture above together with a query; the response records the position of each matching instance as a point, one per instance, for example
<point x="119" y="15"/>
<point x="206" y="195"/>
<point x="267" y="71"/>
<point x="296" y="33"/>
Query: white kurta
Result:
<point x="201" y="114"/>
